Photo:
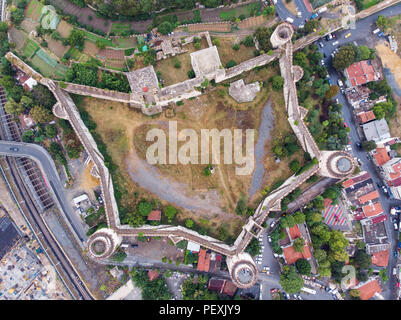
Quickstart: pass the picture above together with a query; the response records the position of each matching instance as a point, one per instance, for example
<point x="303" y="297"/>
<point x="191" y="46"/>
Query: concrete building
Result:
<point x="391" y="172"/>
<point x="377" y="130"/>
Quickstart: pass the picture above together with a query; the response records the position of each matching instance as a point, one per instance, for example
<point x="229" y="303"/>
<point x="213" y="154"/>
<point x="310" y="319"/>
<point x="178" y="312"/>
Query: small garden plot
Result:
<point x="119" y="27"/>
<point x="45" y="69"/>
<point x="125" y="43"/>
<point x="93" y="38"/>
<point x="249" y="10"/>
<point x="34" y="10"/>
<point x="29" y="25"/>
<point x="46" y="58"/>
<point x="56" y="47"/>
<point x="227" y="53"/>
<point x="30" y="48"/>
<point x="64" y="29"/>
<point x="60" y="71"/>
<point x="90" y="48"/>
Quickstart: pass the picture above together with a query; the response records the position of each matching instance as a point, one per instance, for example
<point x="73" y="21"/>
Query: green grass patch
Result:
<point x="125" y="43"/>
<point x="93" y="38"/>
<point x="248" y="11"/>
<point x="46" y="58"/>
<point x="119" y="27"/>
<point x="30" y="48"/>
<point x="130" y="51"/>
<point x="34" y="7"/>
<point x="44" y="68"/>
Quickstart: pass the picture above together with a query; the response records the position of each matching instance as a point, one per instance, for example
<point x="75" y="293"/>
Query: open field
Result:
<point x="44" y="68"/>
<point x="247" y="10"/>
<point x="119" y="27"/>
<point x="30" y="48"/>
<point x="56" y="46"/>
<point x="169" y="73"/>
<point x="33" y="10"/>
<point x="227" y="53"/>
<point x="390" y="60"/>
<point x="18" y="37"/>
<point x="64" y="29"/>
<point x="124" y="43"/>
<point x="93" y="38"/>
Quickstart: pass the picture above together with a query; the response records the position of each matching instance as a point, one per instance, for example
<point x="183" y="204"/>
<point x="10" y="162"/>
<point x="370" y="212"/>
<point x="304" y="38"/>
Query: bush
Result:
<point x="236" y="47"/>
<point x="231" y="64"/>
<point x="248" y="41"/>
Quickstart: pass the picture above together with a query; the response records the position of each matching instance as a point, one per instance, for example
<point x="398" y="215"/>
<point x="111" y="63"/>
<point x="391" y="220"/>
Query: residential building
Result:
<point x="203" y="261"/>
<point x="360" y="73"/>
<point x="365" y="117"/>
<point x="155" y="215"/>
<point x="222" y="286"/>
<point x="376" y="130"/>
<point x="369" y="289"/>
<point x="375" y="235"/>
<point x="380" y="156"/>
<point x="391" y="172"/>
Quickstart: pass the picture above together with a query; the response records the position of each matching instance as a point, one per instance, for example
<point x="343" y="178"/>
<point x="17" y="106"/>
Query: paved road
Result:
<point x="52" y="179"/>
<point x="360" y="35"/>
<point x="283" y="13"/>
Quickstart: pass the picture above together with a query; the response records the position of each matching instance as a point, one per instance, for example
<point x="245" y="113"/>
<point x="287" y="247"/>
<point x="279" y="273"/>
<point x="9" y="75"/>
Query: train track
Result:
<point x="70" y="274"/>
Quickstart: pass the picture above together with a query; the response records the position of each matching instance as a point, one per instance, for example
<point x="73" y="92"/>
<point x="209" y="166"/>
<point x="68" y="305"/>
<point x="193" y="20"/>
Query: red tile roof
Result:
<point x="380" y="258"/>
<point x="155" y="215"/>
<point x="366" y="116"/>
<point x="372" y="210"/>
<point x="291" y="256"/>
<point x="379" y="219"/>
<point x="216" y="284"/>
<point x="348" y="183"/>
<point x="229" y="288"/>
<point x="381" y="156"/>
<point x="153" y="274"/>
<point x="368" y="197"/>
<point x="294" y="232"/>
<point x="203" y="260"/>
<point x="369" y="289"/>
<point x="360" y="73"/>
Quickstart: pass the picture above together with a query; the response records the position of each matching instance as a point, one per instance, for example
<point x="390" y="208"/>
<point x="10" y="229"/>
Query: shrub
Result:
<point x="236" y="47"/>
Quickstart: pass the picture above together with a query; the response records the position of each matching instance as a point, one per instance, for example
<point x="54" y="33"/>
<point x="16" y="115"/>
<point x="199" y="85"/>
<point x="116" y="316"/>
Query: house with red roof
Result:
<point x="369" y="289"/>
<point x="360" y="73"/>
<point x="203" y="261"/>
<point x="380" y="156"/>
<point x="380" y="258"/>
<point x="391" y="172"/>
<point x="222" y="286"/>
<point x="364" y="117"/>
<point x="373" y="209"/>
<point x="155" y="215"/>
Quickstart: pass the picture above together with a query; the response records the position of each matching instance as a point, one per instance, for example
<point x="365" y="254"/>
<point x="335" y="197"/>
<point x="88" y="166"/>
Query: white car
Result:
<point x="395" y="226"/>
<point x="290" y="20"/>
<point x="269" y="239"/>
<point x="275" y="255"/>
<point x="272" y="224"/>
<point x="335" y="43"/>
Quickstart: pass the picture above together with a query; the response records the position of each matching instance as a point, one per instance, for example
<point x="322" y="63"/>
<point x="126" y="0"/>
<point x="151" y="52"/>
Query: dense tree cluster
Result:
<point x="151" y="290"/>
<point x="198" y="290"/>
<point x="262" y="34"/>
<point x="290" y="280"/>
<point x="349" y="54"/>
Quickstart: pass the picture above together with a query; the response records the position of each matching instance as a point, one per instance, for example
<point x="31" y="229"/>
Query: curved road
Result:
<point x="283" y="13"/>
<point x="51" y="177"/>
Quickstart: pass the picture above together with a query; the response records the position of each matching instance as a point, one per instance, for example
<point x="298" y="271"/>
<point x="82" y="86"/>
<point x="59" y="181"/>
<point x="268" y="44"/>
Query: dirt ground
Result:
<point x="64" y="29"/>
<point x="156" y="249"/>
<point x="172" y="75"/>
<point x="56" y="46"/>
<point x="390" y="60"/>
<point x="29" y="25"/>
<point x="88" y="182"/>
<point x="227" y="53"/>
<point x="90" y="48"/>
<point x="18" y="37"/>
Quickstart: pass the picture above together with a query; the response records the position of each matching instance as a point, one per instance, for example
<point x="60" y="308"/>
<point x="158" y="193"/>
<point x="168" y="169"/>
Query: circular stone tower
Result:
<point x="281" y="35"/>
<point x="242" y="270"/>
<point x="102" y="243"/>
<point x="337" y="164"/>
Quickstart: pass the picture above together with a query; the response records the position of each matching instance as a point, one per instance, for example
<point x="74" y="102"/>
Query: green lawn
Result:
<point x="125" y="43"/>
<point x="44" y="68"/>
<point x="34" y="7"/>
<point x="119" y="27"/>
<point x="30" y="48"/>
<point x="60" y="71"/>
<point x="93" y="38"/>
<point x="74" y="53"/>
<point x="247" y="10"/>
<point x="46" y="58"/>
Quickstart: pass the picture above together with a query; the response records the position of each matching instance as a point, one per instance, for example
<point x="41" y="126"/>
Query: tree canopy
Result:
<point x="290" y="280"/>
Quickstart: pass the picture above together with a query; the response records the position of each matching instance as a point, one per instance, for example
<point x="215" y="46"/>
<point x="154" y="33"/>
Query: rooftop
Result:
<point x="142" y="80"/>
<point x="206" y="61"/>
<point x="369" y="289"/>
<point x="369" y="197"/>
<point x="365" y="117"/>
<point x="373" y="209"/>
<point x="153" y="274"/>
<point x="380" y="258"/>
<point x="376" y="130"/>
<point x="381" y="156"/>
<point x="155" y="215"/>
<point x="291" y="256"/>
<point x="360" y="73"/>
<point x="243" y="93"/>
<point x="203" y="261"/>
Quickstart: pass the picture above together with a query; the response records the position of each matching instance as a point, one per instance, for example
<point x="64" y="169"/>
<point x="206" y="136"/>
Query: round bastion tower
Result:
<point x="102" y="244"/>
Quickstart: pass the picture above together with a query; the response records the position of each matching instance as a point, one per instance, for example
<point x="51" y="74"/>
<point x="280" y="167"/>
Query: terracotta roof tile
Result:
<point x="372" y="210"/>
<point x="368" y="197"/>
<point x="380" y="258"/>
<point x="381" y="156"/>
<point x="155" y="215"/>
<point x="291" y="256"/>
<point x="294" y="232"/>
<point x="369" y="289"/>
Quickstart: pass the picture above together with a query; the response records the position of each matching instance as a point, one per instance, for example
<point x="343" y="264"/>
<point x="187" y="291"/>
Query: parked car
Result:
<point x="380" y="34"/>
<point x="14" y="149"/>
<point x="395" y="226"/>
<point x="358" y="144"/>
<point x="340" y="83"/>
<point x="347" y="35"/>
<point x="269" y="239"/>
<point x="272" y="224"/>
<point x="134" y="245"/>
<point x="395" y="253"/>
<point x="345" y="125"/>
<point x="290" y="20"/>
<point x="322" y="62"/>
<point x="335" y="43"/>
<point x="384" y="189"/>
